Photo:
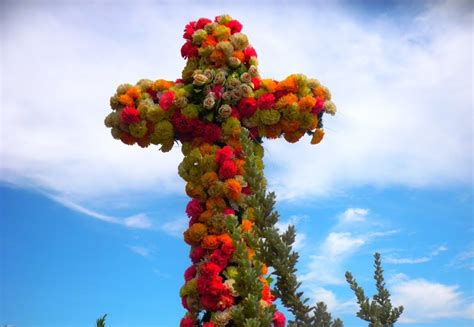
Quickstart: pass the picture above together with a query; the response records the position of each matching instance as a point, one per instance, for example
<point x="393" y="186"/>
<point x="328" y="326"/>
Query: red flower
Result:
<point x="189" y="30"/>
<point x="235" y="26"/>
<point x="319" y="106"/>
<point x="246" y="190"/>
<point x="219" y="259"/>
<point x="226" y="301"/>
<point x="235" y="113"/>
<point x="190" y="273"/>
<point x="187" y="322"/>
<point x="247" y="107"/>
<point x="199" y="128"/>
<point x="227" y="249"/>
<point x="227" y="170"/>
<point x="266" y="101"/>
<point x="197" y="254"/>
<point x="256" y="83"/>
<point x="166" y="100"/>
<point x="228" y="211"/>
<point x="130" y="115"/>
<point x="194" y="208"/>
<point x="208" y="324"/>
<point x="181" y="123"/>
<point x="249" y="52"/>
<point x="184" y="302"/>
<point x="202" y="22"/>
<point x="278" y="319"/>
<point x="188" y="50"/>
<point x="218" y="90"/>
<point x="223" y="154"/>
<point x="267" y="294"/>
<point x="212" y="133"/>
<point x="209" y="269"/>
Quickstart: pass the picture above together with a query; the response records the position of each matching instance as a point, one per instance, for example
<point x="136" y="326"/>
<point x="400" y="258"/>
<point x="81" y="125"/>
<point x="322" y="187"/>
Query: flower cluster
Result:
<point x="219" y="94"/>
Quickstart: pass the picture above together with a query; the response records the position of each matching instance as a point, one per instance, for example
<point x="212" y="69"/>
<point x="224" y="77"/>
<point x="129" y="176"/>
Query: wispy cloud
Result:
<point x="464" y="259"/>
<point x="175" y="227"/>
<point x="140" y="250"/>
<point x="425" y="301"/>
<point x="140" y="221"/>
<point x="423" y="259"/>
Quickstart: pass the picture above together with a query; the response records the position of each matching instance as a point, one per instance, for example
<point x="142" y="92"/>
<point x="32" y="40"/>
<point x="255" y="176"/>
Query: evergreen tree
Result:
<point x="101" y="321"/>
<point x="379" y="311"/>
<point x="273" y="248"/>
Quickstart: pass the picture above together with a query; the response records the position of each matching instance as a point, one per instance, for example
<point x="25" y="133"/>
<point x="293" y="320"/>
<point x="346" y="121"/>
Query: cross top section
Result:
<point x="220" y="91"/>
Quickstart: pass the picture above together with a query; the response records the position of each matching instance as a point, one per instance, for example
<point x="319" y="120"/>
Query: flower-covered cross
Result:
<point x="219" y="94"/>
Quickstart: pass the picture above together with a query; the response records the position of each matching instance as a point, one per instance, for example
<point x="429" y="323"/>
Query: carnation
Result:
<point x="187" y="322"/>
<point x="224" y="153"/>
<point x="212" y="133"/>
<point x="247" y="107"/>
<point x="235" y="26"/>
<point x="197" y="254"/>
<point x="130" y="115"/>
<point x="227" y="170"/>
<point x="249" y="52"/>
<point x="194" y="208"/>
<point x="189" y="30"/>
<point x="166" y="100"/>
<point x="266" y="101"/>
<point x="278" y="319"/>
<point x="188" y="50"/>
<point x="202" y="22"/>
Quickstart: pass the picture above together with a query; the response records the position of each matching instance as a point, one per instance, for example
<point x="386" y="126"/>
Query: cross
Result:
<point x="219" y="98"/>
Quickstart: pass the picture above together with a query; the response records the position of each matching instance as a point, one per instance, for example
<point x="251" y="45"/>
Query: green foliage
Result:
<point x="275" y="249"/>
<point x="322" y="318"/>
<point x="101" y="321"/>
<point x="379" y="311"/>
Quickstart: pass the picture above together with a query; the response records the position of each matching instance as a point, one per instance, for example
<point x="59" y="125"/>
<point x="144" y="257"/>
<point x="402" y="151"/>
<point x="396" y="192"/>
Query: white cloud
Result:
<point x="353" y="215"/>
<point x="335" y="305"/>
<point x="396" y="101"/>
<point x="464" y="259"/>
<point x="423" y="259"/>
<point x="140" y="250"/>
<point x="426" y="301"/>
<point x="175" y="227"/>
<point x="139" y="221"/>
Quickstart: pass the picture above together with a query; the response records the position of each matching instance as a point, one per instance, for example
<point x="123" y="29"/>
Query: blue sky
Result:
<point x="90" y="226"/>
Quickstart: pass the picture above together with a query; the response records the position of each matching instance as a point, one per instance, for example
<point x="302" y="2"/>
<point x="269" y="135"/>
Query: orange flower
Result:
<point x="251" y="253"/>
<point x="318" y="136"/>
<point x="240" y="163"/>
<point x="320" y="92"/>
<point x="307" y="103"/>
<point x="206" y="215"/>
<point x="226" y="239"/>
<point x="264" y="269"/>
<point x="196" y="191"/>
<point x="239" y="55"/>
<point x="210" y="242"/>
<point x="286" y="100"/>
<point x="205" y="148"/>
<point x="209" y="41"/>
<point x="133" y="92"/>
<point x="218" y="57"/>
<point x="126" y="100"/>
<point x="247" y="225"/>
<point x="232" y="189"/>
<point x="273" y="131"/>
<point x="289" y="84"/>
<point x="289" y="126"/>
<point x="269" y="85"/>
<point x="195" y="234"/>
<point x="215" y="204"/>
<point x="209" y="178"/>
<point x="294" y="136"/>
<point x="161" y="85"/>
<point x="235" y="142"/>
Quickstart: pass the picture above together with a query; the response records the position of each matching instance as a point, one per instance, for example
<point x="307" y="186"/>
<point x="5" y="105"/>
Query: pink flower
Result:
<point x="249" y="53"/>
<point x="319" y="106"/>
<point x="278" y="319"/>
<point x="166" y="100"/>
<point x="228" y="211"/>
<point x="189" y="30"/>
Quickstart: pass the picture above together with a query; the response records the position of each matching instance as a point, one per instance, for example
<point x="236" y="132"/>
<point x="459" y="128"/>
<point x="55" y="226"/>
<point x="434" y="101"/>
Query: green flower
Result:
<point x="138" y="130"/>
<point x="199" y="36"/>
<point x="269" y="117"/>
